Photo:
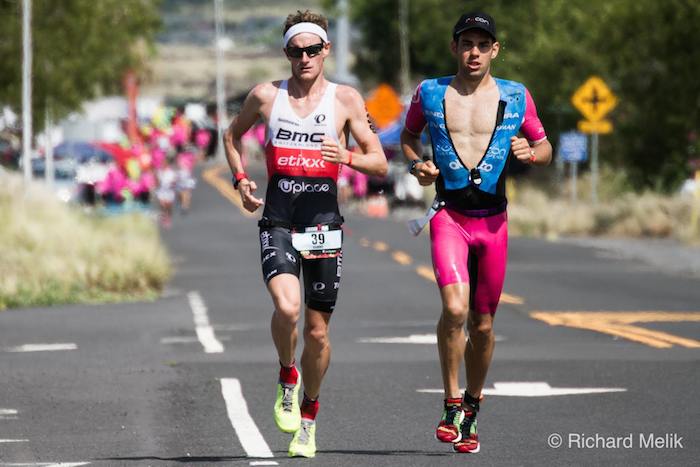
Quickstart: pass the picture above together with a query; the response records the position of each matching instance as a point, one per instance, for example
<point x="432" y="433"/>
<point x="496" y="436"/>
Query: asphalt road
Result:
<point x="189" y="379"/>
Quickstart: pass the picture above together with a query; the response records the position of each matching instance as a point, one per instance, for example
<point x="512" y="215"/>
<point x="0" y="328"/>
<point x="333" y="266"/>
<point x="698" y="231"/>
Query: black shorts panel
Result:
<point x="277" y="254"/>
<point x="321" y="275"/>
<point x="322" y="281"/>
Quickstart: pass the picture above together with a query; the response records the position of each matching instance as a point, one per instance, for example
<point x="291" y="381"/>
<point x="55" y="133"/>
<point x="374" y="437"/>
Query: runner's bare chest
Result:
<point x="471" y="119"/>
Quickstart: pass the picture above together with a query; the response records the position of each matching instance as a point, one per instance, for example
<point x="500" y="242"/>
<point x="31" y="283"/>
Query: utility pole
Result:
<point x="220" y="89"/>
<point x="27" y="89"/>
<point x="403" y="41"/>
<point x="49" y="168"/>
<point x="343" y="45"/>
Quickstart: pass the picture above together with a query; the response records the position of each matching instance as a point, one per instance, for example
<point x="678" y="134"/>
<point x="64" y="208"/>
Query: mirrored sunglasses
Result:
<point x="311" y="51"/>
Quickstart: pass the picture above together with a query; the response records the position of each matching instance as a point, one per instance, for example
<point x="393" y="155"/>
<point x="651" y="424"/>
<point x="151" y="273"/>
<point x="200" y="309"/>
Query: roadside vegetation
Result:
<point x="546" y="209"/>
<point x="53" y="253"/>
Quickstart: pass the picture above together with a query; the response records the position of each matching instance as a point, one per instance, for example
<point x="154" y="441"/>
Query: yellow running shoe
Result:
<point x="287" y="414"/>
<point x="304" y="441"/>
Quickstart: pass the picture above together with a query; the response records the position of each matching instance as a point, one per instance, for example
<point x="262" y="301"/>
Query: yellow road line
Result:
<point x="402" y="258"/>
<point x="380" y="246"/>
<point x="213" y="177"/>
<point x="511" y="299"/>
<point x="620" y="324"/>
<point x="426" y="272"/>
<point x="662" y="336"/>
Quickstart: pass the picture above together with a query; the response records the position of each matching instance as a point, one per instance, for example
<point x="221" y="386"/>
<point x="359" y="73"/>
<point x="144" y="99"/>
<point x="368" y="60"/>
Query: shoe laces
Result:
<point x="305" y="432"/>
<point x="287" y="397"/>
<point x="452" y="412"/>
<point x="469" y="418"/>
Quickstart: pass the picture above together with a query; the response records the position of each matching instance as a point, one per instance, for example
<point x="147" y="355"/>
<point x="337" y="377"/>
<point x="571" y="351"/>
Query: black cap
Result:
<point x="474" y="20"/>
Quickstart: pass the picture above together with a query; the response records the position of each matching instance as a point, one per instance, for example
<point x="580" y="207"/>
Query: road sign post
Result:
<point x="594" y="168"/>
<point x="695" y="213"/>
<point x="594" y="100"/>
<point x="574" y="177"/>
<point x="572" y="149"/>
<point x="27" y="89"/>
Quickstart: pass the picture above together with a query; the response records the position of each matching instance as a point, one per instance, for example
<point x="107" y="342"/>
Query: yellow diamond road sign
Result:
<point x="594" y="99"/>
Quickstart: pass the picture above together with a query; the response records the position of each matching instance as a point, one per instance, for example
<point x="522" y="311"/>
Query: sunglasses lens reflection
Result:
<point x="311" y="51"/>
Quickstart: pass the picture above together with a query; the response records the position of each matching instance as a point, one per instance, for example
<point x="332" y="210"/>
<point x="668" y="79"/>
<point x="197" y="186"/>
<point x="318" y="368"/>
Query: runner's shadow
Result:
<point x="278" y="454"/>
<point x="181" y="459"/>
<point x="360" y="452"/>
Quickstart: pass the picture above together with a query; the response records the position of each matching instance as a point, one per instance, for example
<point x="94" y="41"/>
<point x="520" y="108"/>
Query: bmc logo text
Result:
<point x="298" y="136"/>
<point x="290" y="186"/>
<point x="301" y="161"/>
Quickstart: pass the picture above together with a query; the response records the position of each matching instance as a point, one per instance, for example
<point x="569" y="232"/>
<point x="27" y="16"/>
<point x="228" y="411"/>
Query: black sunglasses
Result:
<point x="311" y="51"/>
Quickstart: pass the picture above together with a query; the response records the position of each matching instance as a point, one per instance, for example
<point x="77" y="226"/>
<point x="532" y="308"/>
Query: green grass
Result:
<point x="53" y="253"/>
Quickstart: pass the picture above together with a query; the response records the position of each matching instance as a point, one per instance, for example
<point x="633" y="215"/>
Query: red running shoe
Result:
<point x="469" y="442"/>
<point x="448" y="430"/>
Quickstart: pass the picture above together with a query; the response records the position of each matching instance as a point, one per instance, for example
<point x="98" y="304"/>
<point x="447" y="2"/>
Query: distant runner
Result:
<point x="473" y="120"/>
<point x="308" y="121"/>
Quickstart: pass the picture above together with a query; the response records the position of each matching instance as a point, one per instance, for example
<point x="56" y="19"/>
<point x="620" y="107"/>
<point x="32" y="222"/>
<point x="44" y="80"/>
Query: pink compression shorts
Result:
<point x="471" y="250"/>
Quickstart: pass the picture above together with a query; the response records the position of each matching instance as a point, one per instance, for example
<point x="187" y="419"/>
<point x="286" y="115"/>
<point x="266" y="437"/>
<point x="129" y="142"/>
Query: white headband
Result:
<point x="304" y="27"/>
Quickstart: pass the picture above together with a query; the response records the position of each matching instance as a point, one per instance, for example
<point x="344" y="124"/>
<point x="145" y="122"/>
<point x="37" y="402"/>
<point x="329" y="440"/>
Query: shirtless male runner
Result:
<point x="308" y="121"/>
<point x="473" y="120"/>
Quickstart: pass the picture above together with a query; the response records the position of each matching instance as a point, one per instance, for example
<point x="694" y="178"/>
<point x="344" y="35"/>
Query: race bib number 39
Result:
<point x="317" y="240"/>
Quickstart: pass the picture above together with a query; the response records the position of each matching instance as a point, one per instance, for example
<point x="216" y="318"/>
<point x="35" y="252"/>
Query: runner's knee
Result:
<point x="454" y="310"/>
<point x="288" y="310"/>
<point x="479" y="327"/>
<point x="316" y="334"/>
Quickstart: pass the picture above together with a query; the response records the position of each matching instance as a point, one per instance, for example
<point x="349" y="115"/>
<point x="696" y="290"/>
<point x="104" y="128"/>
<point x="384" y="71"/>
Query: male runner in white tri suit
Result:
<point x="308" y="122"/>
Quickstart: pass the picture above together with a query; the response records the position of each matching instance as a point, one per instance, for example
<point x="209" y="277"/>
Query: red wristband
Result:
<point x="237" y="177"/>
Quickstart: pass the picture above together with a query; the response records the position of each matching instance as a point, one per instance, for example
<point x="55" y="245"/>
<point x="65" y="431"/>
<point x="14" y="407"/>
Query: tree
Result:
<point x="653" y="55"/>
<point x="645" y="50"/>
<point x="81" y="49"/>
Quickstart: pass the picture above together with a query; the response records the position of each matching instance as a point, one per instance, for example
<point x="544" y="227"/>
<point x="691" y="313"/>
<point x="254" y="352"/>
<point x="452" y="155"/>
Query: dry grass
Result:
<point x="56" y="254"/>
<point x="619" y="212"/>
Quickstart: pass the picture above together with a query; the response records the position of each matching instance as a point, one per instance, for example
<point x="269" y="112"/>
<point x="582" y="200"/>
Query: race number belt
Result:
<point x="318" y="239"/>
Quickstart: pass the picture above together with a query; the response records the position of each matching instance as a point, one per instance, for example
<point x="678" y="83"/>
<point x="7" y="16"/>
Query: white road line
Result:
<point x="188" y="339"/>
<point x="14" y="440"/>
<point x="44" y="464"/>
<point x="412" y="339"/>
<point x="533" y="389"/>
<point x="179" y="340"/>
<point x="240" y="327"/>
<point x="43" y="347"/>
<point x="263" y="463"/>
<point x="247" y="431"/>
<point x="205" y="333"/>
<point x="8" y="412"/>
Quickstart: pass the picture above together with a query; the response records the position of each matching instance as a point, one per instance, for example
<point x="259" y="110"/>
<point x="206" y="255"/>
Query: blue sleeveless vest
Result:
<point x="454" y="173"/>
